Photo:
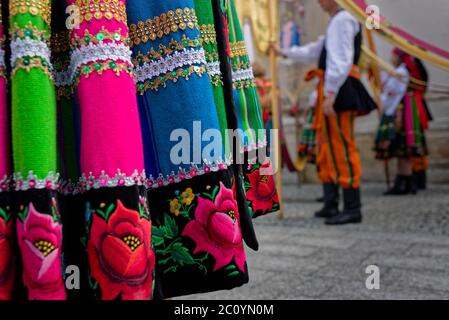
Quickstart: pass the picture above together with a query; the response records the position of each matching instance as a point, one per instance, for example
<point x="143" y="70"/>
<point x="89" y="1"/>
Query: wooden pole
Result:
<point x="377" y="87"/>
<point x="273" y="17"/>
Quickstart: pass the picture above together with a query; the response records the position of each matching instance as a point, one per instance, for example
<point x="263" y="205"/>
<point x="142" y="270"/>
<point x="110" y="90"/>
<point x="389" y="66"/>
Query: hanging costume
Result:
<point x="337" y="158"/>
<point x="91" y="181"/>
<point x="197" y="230"/>
<point x="261" y="192"/>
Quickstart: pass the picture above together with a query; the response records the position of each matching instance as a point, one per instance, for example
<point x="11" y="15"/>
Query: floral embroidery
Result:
<point x="261" y="190"/>
<point x="4" y="184"/>
<point x="187" y="196"/>
<point x="166" y="23"/>
<point x="31" y="32"/>
<point x="6" y="254"/>
<point x="96" y="9"/>
<point x="40" y="239"/>
<point x="119" y="252"/>
<point x="175" y="207"/>
<point x="216" y="229"/>
<point x="34" y="7"/>
<point x="213" y="69"/>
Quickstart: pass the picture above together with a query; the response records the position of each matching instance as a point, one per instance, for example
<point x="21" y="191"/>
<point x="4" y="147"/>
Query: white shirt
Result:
<point x="395" y="88"/>
<point x="339" y="42"/>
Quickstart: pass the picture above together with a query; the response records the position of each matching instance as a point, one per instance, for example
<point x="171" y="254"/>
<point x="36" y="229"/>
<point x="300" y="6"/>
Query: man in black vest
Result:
<point x="341" y="98"/>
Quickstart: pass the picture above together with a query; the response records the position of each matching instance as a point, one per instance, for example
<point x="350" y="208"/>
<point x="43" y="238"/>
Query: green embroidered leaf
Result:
<point x="4" y="215"/>
<point x="54" y="214"/>
<point x="181" y="254"/>
<point x="171" y="226"/>
<point x="22" y="215"/>
<point x="155" y="231"/>
<point x="231" y="267"/>
<point x="157" y="241"/>
<point x="102" y="214"/>
<point x="109" y="211"/>
<point x="214" y="193"/>
<point x="208" y="196"/>
<point x="233" y="274"/>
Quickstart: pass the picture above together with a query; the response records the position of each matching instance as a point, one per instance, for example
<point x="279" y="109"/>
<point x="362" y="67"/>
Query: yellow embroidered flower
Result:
<point x="187" y="196"/>
<point x="175" y="206"/>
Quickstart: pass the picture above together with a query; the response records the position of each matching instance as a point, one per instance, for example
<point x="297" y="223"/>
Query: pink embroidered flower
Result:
<point x="263" y="190"/>
<point x="120" y="255"/>
<point x="6" y="260"/>
<point x="216" y="229"/>
<point x="40" y="240"/>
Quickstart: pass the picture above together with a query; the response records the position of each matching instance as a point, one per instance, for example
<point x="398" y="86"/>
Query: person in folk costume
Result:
<point x="198" y="229"/>
<point x="341" y="98"/>
<point x="405" y="118"/>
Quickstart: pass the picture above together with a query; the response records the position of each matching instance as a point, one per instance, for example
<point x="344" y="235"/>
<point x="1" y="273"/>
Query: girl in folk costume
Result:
<point x="197" y="228"/>
<point x="405" y="119"/>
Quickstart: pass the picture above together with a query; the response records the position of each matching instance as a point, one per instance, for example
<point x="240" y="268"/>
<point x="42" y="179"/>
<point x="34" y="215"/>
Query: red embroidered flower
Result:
<point x="263" y="191"/>
<point x="216" y="229"/>
<point x="120" y="255"/>
<point x="40" y="240"/>
<point x="6" y="260"/>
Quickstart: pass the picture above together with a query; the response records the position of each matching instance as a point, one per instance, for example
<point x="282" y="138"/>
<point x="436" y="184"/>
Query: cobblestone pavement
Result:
<point x="300" y="258"/>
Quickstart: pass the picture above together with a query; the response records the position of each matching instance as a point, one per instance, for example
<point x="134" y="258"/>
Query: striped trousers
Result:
<point x="338" y="158"/>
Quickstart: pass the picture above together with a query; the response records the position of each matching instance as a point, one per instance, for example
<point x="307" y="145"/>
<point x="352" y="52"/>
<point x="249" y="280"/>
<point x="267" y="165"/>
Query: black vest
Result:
<point x="353" y="95"/>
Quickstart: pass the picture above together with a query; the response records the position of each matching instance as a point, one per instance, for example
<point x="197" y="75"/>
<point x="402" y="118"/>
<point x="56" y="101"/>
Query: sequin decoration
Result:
<point x="34" y="7"/>
<point x="99" y="9"/>
<point x="166" y="23"/>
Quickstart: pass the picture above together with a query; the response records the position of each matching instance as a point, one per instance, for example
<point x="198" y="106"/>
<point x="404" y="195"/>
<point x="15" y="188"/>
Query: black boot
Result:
<point x="331" y="196"/>
<point x="352" y="212"/>
<point x="421" y="179"/>
<point x="411" y="184"/>
<point x="399" y="187"/>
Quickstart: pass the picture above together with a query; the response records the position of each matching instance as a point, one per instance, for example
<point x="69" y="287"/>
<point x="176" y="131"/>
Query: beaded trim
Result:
<point x="172" y="47"/>
<point x="101" y="67"/>
<point x="4" y="184"/>
<point x="34" y="7"/>
<point x="102" y="35"/>
<point x="242" y="75"/>
<point x="27" y="47"/>
<point x="182" y="174"/>
<point x="51" y="182"/>
<point x="174" y="76"/>
<point x="27" y="64"/>
<point x="162" y="25"/>
<point x="169" y="63"/>
<point x="115" y="54"/>
<point x="29" y="31"/>
<point x="208" y="33"/>
<point x="96" y="9"/>
<point x="213" y="69"/>
<point x="238" y="49"/>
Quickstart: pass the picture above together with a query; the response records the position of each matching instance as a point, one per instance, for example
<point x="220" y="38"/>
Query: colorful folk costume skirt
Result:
<point x="197" y="229"/>
<point x="307" y="145"/>
<point x="402" y="135"/>
<point x="259" y="182"/>
<point x="111" y="168"/>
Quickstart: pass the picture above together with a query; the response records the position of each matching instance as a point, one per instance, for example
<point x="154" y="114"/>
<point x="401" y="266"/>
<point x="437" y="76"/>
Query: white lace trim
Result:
<point x="28" y="47"/>
<point x="179" y="59"/>
<point x="99" y="52"/>
<point x="213" y="68"/>
<point x="241" y="75"/>
<point x="2" y="59"/>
